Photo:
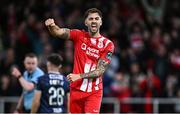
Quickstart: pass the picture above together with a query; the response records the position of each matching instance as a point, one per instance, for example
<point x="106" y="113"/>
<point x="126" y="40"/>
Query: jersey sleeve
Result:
<point x="25" y="75"/>
<point x="36" y="76"/>
<point x="74" y="35"/>
<point x="66" y="85"/>
<point x="38" y="85"/>
<point x="108" y="52"/>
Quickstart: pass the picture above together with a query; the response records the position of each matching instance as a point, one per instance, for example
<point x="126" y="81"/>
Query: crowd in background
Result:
<point x="146" y="34"/>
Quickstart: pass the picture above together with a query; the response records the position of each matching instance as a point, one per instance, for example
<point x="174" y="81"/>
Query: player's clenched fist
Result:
<point x="15" y="72"/>
<point x="73" y="77"/>
<point x="49" y="22"/>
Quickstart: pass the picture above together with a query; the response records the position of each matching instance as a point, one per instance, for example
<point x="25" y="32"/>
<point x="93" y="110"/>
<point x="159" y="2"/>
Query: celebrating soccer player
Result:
<point x="52" y="89"/>
<point x="92" y="54"/>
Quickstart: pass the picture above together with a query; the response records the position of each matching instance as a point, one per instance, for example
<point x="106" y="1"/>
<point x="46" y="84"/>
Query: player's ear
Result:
<point x="101" y="22"/>
<point x="85" y="22"/>
<point x="60" y="66"/>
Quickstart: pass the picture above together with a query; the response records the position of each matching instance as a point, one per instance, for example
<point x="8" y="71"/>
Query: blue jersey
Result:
<point x="28" y="95"/>
<point x="54" y="88"/>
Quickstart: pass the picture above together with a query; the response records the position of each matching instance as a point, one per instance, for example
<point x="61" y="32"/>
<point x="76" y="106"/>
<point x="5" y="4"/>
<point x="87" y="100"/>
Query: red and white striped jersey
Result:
<point x="87" y="51"/>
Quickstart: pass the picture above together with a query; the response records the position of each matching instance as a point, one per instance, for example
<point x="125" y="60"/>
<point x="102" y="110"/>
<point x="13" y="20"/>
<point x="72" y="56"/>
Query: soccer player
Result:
<point x="52" y="89"/>
<point x="92" y="54"/>
<point x="27" y="81"/>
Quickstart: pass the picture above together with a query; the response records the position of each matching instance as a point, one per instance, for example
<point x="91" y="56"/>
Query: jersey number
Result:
<point x="56" y="96"/>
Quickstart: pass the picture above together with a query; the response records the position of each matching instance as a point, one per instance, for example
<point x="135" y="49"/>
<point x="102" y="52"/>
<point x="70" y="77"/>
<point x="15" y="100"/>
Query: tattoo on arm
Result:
<point x="66" y="33"/>
<point x="63" y="33"/>
<point x="101" y="67"/>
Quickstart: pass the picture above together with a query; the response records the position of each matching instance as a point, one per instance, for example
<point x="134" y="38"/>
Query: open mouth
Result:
<point x="94" y="25"/>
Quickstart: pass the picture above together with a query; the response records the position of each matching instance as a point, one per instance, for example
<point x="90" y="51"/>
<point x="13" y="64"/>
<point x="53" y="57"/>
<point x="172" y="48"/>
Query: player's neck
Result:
<point x="97" y="34"/>
<point x="53" y="70"/>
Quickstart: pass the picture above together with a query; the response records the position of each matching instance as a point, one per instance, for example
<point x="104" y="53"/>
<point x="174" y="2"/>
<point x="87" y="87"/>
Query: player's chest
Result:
<point x="91" y="47"/>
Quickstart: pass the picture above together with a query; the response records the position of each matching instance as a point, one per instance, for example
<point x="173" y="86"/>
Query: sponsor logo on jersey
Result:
<point x="83" y="46"/>
<point x="93" y="41"/>
<point x="90" y="51"/>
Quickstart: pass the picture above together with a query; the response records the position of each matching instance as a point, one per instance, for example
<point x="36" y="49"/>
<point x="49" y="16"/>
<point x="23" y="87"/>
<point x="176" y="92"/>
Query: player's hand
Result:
<point x="73" y="77"/>
<point x="15" y="72"/>
<point x="49" y="22"/>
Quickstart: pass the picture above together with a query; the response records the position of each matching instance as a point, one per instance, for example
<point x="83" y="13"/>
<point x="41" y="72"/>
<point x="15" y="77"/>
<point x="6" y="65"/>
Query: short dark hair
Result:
<point x="31" y="55"/>
<point x="55" y="59"/>
<point x="92" y="10"/>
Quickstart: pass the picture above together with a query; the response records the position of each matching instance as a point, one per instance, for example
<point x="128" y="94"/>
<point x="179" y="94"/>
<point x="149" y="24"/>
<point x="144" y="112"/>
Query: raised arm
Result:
<point x="147" y="6"/>
<point x="24" y="83"/>
<point x="56" y="31"/>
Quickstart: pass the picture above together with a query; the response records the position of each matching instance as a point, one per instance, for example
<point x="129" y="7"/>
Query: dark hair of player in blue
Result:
<point x="31" y="55"/>
<point x="55" y="59"/>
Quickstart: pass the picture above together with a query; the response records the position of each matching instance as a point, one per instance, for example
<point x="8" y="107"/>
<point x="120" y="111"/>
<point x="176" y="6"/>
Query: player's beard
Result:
<point x="30" y="70"/>
<point x="93" y="30"/>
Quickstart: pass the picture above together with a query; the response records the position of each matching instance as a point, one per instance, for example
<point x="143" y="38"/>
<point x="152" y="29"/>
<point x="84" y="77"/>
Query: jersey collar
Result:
<point x="53" y="72"/>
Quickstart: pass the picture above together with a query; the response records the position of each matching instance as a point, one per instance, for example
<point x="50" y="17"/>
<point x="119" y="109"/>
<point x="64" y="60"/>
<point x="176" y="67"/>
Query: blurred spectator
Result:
<point x="110" y="73"/>
<point x="136" y="38"/>
<point x="169" y="91"/>
<point x="161" y="63"/>
<point x="120" y="89"/>
<point x="7" y="61"/>
<point x="171" y="86"/>
<point x="47" y="49"/>
<point x="155" y="10"/>
<point x="177" y="106"/>
<point x="156" y="39"/>
<point x="175" y="60"/>
<point x="151" y="88"/>
<point x="5" y="89"/>
<point x="137" y="77"/>
<point x="175" y="35"/>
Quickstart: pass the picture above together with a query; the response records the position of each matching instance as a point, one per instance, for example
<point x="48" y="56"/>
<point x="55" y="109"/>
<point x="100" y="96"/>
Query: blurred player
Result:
<point x="52" y="88"/>
<point x="92" y="54"/>
<point x="27" y="81"/>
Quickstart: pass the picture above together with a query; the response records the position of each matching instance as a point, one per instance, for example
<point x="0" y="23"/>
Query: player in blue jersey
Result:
<point x="28" y="80"/>
<point x="52" y="89"/>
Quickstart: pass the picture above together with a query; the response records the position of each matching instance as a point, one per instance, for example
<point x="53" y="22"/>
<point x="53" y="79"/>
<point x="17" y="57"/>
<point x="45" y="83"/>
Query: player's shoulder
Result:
<point x="38" y="70"/>
<point x="62" y="77"/>
<point x="80" y="32"/>
<point x="43" y="77"/>
<point x="107" y="42"/>
<point x="77" y="30"/>
<point x="25" y="72"/>
<point x="106" y="39"/>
